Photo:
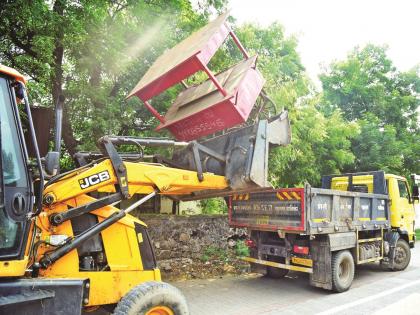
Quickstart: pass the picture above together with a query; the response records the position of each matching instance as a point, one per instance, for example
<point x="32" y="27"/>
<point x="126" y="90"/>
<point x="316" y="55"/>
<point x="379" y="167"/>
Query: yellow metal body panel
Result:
<point x="107" y="287"/>
<point x="143" y="178"/>
<point x="317" y="220"/>
<point x="341" y="183"/>
<point x="121" y="246"/>
<point x="402" y="211"/>
<point x="120" y="240"/>
<point x="17" y="268"/>
<point x="13" y="268"/>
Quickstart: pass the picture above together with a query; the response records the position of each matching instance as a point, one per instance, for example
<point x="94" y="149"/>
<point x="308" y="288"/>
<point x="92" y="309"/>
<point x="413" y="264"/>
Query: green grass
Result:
<point x="418" y="234"/>
<point x="204" y="258"/>
<point x="214" y="253"/>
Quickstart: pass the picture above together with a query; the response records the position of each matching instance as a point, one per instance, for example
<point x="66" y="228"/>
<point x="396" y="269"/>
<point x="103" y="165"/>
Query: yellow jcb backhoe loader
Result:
<point x="65" y="246"/>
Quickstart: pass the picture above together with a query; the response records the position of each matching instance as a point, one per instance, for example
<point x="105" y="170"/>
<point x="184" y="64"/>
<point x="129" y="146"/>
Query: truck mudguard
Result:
<point x="339" y="241"/>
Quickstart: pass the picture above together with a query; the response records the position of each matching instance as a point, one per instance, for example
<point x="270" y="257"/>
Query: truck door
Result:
<point x="406" y="209"/>
<point x="15" y="187"/>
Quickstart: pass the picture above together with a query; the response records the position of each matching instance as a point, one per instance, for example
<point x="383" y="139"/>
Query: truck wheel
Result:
<point x="153" y="298"/>
<point x="402" y="255"/>
<point x="342" y="270"/>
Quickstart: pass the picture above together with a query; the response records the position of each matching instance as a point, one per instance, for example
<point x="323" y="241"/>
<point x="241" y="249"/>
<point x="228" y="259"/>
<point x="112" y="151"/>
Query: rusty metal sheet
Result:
<point x="184" y="59"/>
<point x="198" y="98"/>
<point x="201" y="110"/>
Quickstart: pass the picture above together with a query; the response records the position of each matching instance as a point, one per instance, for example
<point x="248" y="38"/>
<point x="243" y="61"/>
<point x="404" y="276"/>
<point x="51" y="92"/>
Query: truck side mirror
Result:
<point x="416" y="196"/>
<point x="416" y="182"/>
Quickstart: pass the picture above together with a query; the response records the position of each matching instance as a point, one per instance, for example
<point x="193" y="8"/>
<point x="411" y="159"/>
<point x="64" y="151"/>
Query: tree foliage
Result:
<point x="377" y="148"/>
<point x="94" y="52"/>
<point x="385" y="102"/>
<point x="320" y="145"/>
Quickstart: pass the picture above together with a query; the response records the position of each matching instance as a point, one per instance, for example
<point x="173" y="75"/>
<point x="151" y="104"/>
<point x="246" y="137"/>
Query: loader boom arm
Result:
<point x="142" y="178"/>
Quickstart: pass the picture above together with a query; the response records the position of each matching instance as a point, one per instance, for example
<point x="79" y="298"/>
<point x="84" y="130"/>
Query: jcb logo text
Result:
<point x="94" y="179"/>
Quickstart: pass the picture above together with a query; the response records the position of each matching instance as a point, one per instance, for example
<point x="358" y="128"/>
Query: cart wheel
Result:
<point x="402" y="255"/>
<point x="342" y="270"/>
<point x="153" y="298"/>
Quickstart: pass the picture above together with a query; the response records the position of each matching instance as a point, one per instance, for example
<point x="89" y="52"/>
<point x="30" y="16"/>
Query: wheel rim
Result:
<point x="400" y="255"/>
<point x="344" y="270"/>
<point x="160" y="310"/>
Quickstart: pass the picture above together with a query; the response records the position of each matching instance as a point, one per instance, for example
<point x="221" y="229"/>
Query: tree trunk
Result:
<point x="98" y="105"/>
<point x="57" y="78"/>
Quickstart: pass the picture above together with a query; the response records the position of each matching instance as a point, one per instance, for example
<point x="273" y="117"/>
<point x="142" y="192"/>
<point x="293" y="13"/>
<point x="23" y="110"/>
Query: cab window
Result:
<point x="13" y="174"/>
<point x="402" y="188"/>
<point x="13" y="165"/>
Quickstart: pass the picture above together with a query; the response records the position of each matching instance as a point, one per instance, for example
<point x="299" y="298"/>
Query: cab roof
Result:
<point x="13" y="73"/>
<point x="387" y="176"/>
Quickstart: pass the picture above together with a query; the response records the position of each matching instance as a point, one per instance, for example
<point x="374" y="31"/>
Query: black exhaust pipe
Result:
<point x="58" y="123"/>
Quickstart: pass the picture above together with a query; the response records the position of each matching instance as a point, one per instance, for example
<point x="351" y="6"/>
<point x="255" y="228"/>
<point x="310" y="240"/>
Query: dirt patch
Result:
<point x="204" y="268"/>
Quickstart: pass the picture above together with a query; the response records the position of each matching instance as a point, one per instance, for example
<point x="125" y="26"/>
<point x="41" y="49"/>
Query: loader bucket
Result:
<point x="240" y="155"/>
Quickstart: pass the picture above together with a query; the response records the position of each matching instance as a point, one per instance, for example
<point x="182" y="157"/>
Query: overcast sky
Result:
<point x="328" y="29"/>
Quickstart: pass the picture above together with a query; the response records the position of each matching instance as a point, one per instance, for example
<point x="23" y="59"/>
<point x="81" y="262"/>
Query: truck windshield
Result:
<point x="12" y="169"/>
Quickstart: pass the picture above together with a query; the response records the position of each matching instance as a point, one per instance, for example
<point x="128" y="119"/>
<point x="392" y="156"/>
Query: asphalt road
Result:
<point x="374" y="291"/>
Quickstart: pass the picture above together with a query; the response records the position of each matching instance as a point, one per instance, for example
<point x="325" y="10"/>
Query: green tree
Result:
<point x="368" y="82"/>
<point x="368" y="89"/>
<point x="377" y="148"/>
<point x="93" y="52"/>
<point x="213" y="206"/>
<point x="278" y="60"/>
<point x="320" y="145"/>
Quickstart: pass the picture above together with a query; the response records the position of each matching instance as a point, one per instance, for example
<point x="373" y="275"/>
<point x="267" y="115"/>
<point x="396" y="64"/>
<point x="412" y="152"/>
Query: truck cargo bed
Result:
<point x="309" y="210"/>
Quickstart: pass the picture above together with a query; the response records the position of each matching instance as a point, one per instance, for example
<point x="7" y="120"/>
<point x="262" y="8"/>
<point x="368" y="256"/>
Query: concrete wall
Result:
<point x="184" y="207"/>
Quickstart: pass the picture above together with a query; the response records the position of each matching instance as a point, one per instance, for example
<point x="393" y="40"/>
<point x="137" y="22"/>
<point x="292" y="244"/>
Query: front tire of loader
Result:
<point x="342" y="266"/>
<point x="153" y="298"/>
